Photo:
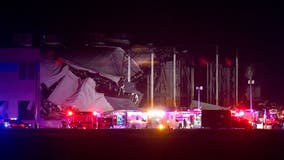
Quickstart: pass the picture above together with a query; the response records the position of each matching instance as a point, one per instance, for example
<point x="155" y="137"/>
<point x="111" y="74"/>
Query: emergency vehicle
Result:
<point x="80" y="120"/>
<point x="157" y="119"/>
<point x="243" y="118"/>
<point x="273" y="119"/>
<point x="136" y="119"/>
<point x="184" y="119"/>
<point x="133" y="119"/>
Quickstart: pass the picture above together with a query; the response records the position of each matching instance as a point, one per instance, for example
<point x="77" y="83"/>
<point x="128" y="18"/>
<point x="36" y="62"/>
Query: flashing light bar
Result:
<point x="95" y="113"/>
<point x="233" y="111"/>
<point x="161" y="126"/>
<point x="157" y="113"/>
<point x="241" y="113"/>
<point x="197" y="109"/>
<point x="135" y="113"/>
<point x="237" y="113"/>
<point x="69" y="113"/>
<point x="6" y="124"/>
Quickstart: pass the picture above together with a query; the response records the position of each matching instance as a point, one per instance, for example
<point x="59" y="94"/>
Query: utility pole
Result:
<point x="228" y="87"/>
<point x="128" y="74"/>
<point x="192" y="82"/>
<point x="128" y="69"/>
<point x="198" y="88"/>
<point x="250" y="82"/>
<point x="217" y="78"/>
<point x="174" y="77"/>
<point x="237" y="78"/>
<point x="37" y="94"/>
<point x="207" y="82"/>
<point x="211" y="83"/>
<point x="152" y="81"/>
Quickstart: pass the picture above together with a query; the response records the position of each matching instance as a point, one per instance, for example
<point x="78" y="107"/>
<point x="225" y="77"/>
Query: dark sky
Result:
<point x="256" y="30"/>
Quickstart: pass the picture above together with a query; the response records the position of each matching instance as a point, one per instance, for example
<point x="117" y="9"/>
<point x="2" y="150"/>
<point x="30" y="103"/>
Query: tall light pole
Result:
<point x="128" y="68"/>
<point x="207" y="82"/>
<point x="250" y="82"/>
<point x="237" y="79"/>
<point x="174" y="77"/>
<point x="198" y="88"/>
<point x="37" y="94"/>
<point x="152" y="81"/>
<point x="217" y="76"/>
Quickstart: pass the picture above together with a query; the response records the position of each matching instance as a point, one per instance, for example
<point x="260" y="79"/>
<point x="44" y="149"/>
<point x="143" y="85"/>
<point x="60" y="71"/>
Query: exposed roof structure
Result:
<point x="103" y="59"/>
<point x="72" y="89"/>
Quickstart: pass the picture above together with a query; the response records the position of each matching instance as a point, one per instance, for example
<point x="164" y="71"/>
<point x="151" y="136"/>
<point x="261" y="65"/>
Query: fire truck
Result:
<point x="112" y="119"/>
<point x="273" y="119"/>
<point x="185" y="119"/>
<point x="243" y="118"/>
<point x="157" y="119"/>
<point x="120" y="119"/>
<point x="136" y="119"/>
<point x="80" y="120"/>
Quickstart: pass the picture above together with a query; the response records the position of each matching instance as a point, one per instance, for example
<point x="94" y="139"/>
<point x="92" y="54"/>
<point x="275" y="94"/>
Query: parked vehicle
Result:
<point x="246" y="119"/>
<point x="80" y="120"/>
<point x="15" y="123"/>
<point x="105" y="123"/>
<point x="273" y="119"/>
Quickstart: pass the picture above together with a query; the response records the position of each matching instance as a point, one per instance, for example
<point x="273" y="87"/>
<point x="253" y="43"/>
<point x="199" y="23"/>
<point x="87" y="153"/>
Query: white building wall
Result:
<point x="12" y="89"/>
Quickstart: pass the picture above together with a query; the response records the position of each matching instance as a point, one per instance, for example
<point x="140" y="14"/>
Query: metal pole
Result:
<point x="129" y="69"/>
<point x="37" y="94"/>
<point x="198" y="101"/>
<point x="264" y="119"/>
<point x="217" y="78"/>
<point x="192" y="83"/>
<point x="211" y="84"/>
<point x="250" y="90"/>
<point x="237" y="79"/>
<point x="207" y="83"/>
<point x="228" y="87"/>
<point x="152" y="81"/>
<point x="149" y="89"/>
<point x="174" y="77"/>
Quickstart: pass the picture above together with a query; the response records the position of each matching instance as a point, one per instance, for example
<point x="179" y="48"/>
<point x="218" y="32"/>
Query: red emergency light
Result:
<point x="233" y="111"/>
<point x="241" y="113"/>
<point x="69" y="113"/>
<point x="237" y="113"/>
<point x="95" y="113"/>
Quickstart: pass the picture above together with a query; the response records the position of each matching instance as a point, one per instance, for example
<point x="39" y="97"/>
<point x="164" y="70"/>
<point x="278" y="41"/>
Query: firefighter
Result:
<point x="184" y="123"/>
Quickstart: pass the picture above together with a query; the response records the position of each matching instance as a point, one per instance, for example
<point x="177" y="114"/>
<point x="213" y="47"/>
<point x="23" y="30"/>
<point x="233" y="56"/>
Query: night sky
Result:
<point x="257" y="31"/>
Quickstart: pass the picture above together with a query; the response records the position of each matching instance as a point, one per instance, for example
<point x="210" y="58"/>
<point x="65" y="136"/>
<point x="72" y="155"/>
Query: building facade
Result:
<point x="18" y="82"/>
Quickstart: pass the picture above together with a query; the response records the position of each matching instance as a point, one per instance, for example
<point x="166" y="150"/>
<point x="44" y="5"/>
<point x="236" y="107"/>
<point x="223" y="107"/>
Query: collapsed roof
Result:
<point x="80" y="91"/>
<point x="103" y="59"/>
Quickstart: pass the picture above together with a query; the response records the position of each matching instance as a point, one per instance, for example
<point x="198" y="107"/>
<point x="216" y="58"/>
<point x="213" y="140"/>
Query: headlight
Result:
<point x="161" y="126"/>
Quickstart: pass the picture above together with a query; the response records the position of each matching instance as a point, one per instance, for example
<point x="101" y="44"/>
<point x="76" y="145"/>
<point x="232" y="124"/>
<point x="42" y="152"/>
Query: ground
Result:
<point x="141" y="144"/>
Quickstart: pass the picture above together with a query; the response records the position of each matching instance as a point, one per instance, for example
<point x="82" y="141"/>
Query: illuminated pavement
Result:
<point x="141" y="144"/>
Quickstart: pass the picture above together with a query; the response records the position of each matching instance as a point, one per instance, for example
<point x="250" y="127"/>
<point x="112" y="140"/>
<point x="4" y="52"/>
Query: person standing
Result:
<point x="184" y="123"/>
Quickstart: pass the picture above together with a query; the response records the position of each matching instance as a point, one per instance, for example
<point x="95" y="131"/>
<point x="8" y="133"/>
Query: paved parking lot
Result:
<point x="141" y="144"/>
